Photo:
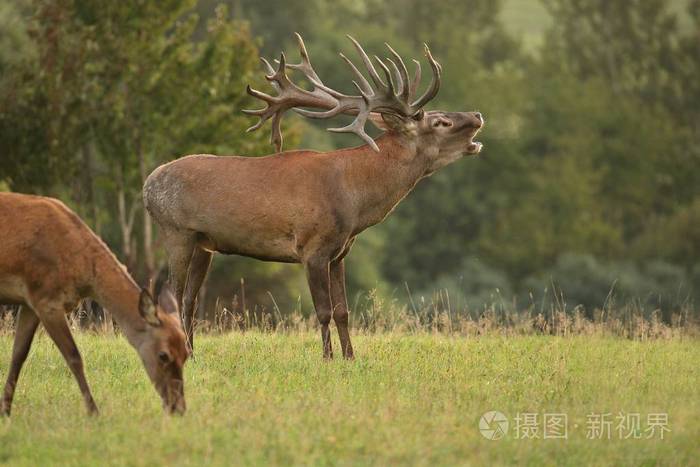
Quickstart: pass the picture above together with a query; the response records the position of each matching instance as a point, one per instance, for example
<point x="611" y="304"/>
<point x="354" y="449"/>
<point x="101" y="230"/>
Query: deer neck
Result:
<point x="378" y="181"/>
<point x="114" y="289"/>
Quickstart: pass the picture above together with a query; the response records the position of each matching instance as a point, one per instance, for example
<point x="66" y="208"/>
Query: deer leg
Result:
<point x="340" y="306"/>
<point x="199" y="266"/>
<point x="27" y="322"/>
<point x="56" y="326"/>
<point x="317" y="273"/>
<point x="179" y="248"/>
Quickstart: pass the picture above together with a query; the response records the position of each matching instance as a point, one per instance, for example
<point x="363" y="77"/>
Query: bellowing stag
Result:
<point x="305" y="206"/>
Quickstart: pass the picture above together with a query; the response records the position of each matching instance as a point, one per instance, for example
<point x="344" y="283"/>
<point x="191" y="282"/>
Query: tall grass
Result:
<point x="435" y="314"/>
<point x="375" y="314"/>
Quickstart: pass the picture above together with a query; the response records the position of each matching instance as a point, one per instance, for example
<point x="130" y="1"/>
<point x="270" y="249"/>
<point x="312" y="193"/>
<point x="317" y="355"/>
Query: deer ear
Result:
<point x="166" y="300"/>
<point x="147" y="309"/>
<point x="378" y="121"/>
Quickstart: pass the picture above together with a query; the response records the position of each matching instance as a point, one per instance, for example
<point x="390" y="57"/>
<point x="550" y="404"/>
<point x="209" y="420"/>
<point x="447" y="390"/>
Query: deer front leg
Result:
<point x="27" y="322"/>
<point x="340" y="306"/>
<point x="199" y="266"/>
<point x="54" y="320"/>
<point x="179" y="247"/>
<point x="317" y="273"/>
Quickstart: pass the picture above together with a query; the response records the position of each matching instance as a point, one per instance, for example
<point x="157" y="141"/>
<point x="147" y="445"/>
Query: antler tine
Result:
<point x="318" y="115"/>
<point x="363" y="83"/>
<point x="279" y="79"/>
<point x="368" y="64"/>
<point x="344" y="103"/>
<point x="276" y="135"/>
<point x="401" y="71"/>
<point x="390" y="88"/>
<point x="332" y="92"/>
<point x="393" y="96"/>
<point x="358" y="127"/>
<point x="265" y="113"/>
<point x="269" y="68"/>
<point x="290" y="95"/>
<point x="400" y="84"/>
<point x="434" y="87"/>
<point x="305" y="65"/>
<point x="416" y="80"/>
<point x="270" y="71"/>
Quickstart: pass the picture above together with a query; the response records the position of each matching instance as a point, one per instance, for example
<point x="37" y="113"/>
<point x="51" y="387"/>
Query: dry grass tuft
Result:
<point x="376" y="315"/>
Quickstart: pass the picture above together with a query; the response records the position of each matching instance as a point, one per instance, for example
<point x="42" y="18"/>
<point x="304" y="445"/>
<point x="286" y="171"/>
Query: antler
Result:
<point x="393" y="95"/>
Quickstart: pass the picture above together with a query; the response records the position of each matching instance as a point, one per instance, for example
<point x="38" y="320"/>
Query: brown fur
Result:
<point x="297" y="206"/>
<point x="49" y="261"/>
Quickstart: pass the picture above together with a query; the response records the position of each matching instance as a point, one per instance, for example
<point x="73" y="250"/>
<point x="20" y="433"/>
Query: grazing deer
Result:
<point x="306" y="206"/>
<point x="49" y="260"/>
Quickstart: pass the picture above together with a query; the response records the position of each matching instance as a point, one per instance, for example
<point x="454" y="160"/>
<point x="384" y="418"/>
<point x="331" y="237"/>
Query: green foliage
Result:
<point x="591" y="142"/>
<point x="475" y="287"/>
<point x="588" y="149"/>
<point x="582" y="280"/>
<point x="115" y="90"/>
<point x="127" y="78"/>
<point x="15" y="43"/>
<point x="239" y="283"/>
<point x="674" y="237"/>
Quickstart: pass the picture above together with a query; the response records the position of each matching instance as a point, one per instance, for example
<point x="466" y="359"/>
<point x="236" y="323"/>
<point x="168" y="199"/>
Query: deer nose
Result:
<point x="479" y="117"/>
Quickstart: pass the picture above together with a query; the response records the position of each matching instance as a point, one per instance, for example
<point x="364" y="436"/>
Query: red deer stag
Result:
<point x="306" y="206"/>
<point x="49" y="260"/>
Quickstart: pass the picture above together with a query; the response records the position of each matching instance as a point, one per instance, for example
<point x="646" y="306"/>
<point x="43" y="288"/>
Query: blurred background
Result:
<point x="587" y="192"/>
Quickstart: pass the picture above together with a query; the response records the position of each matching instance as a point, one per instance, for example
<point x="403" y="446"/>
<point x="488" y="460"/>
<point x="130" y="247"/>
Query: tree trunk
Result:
<point x="610" y="60"/>
<point x="126" y="218"/>
<point x="126" y="224"/>
<point x="92" y="310"/>
<point x="147" y="225"/>
<point x="89" y="185"/>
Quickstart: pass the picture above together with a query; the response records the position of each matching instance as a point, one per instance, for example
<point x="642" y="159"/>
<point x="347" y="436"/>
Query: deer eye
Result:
<point x="442" y="122"/>
<point x="163" y="357"/>
<point x="418" y="116"/>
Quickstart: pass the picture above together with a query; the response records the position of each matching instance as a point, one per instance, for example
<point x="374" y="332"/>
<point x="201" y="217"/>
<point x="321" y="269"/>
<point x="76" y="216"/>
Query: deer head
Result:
<point x="391" y="104"/>
<point x="163" y="347"/>
<point x="324" y="200"/>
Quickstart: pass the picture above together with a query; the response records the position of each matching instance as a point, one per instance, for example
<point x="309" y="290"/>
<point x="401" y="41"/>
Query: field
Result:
<point x="268" y="398"/>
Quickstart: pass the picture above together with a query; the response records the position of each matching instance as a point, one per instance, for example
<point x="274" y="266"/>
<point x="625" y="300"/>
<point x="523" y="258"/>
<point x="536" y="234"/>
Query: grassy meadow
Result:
<point x="268" y="398"/>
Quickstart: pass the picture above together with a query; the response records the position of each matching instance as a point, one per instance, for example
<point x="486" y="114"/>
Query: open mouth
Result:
<point x="474" y="147"/>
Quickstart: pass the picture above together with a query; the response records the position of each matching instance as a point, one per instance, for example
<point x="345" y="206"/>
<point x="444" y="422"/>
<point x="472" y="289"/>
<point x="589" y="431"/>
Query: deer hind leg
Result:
<point x="27" y="322"/>
<point x="340" y="306"/>
<point x="317" y="272"/>
<point x="199" y="266"/>
<point x="54" y="320"/>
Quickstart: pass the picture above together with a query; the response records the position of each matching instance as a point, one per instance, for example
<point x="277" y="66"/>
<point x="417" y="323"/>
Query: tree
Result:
<point x="115" y="89"/>
<point x="165" y="95"/>
<point x="443" y="221"/>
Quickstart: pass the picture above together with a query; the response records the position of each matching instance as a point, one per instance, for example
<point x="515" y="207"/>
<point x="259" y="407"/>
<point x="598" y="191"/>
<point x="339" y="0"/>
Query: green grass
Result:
<point x="270" y="399"/>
